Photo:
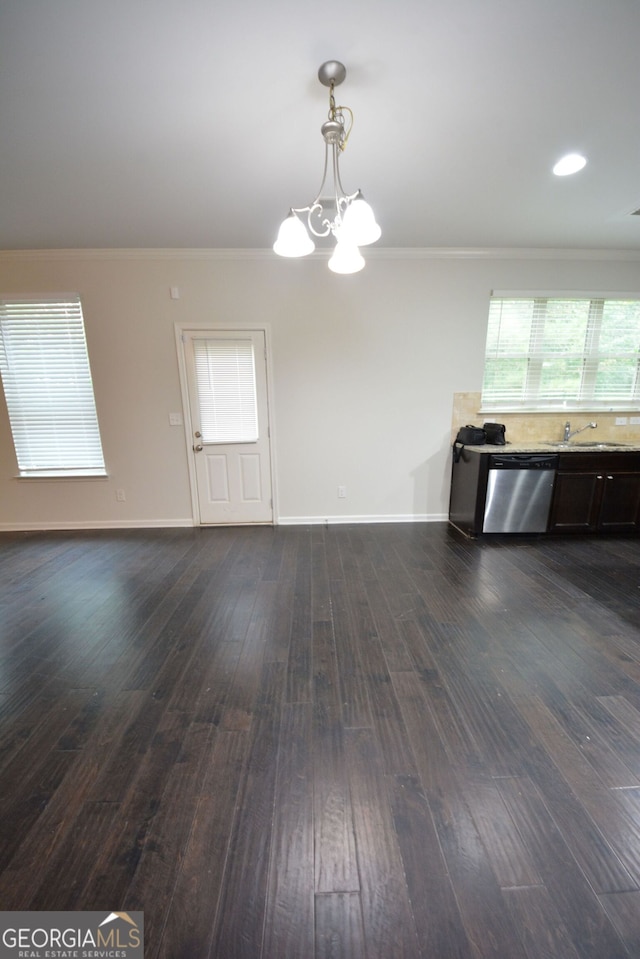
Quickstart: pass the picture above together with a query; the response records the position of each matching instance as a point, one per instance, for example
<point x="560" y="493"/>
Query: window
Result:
<point x="226" y="383"/>
<point x="559" y="353"/>
<point x="47" y="384"/>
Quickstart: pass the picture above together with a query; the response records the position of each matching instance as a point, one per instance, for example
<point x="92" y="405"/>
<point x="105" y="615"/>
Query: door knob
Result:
<point x="198" y="448"/>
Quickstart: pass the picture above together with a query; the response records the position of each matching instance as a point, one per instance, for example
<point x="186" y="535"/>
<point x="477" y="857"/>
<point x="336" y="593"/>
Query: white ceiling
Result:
<point x="196" y="123"/>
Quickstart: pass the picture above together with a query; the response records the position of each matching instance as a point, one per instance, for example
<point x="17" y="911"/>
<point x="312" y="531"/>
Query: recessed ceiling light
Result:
<point x="570" y="163"/>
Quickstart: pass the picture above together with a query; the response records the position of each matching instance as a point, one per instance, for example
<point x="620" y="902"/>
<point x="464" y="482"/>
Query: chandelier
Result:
<point x="345" y="216"/>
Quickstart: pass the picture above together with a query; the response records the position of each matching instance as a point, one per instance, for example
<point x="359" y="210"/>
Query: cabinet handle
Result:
<point x="599" y="477"/>
<point x="609" y="477"/>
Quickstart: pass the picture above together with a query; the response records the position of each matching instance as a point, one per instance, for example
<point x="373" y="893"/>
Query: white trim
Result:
<point x="564" y="295"/>
<point x="498" y="253"/>
<point x="188" y="523"/>
<point x="337" y="520"/>
<point x="186" y="416"/>
<point x="60" y="475"/>
<point x="179" y="329"/>
<point x="62" y="525"/>
<point x="373" y="253"/>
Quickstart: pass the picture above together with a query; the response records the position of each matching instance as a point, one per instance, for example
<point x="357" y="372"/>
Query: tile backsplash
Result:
<point x="542" y="427"/>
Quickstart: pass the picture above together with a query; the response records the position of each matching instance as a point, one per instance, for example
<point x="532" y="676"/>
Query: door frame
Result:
<point x="179" y="329"/>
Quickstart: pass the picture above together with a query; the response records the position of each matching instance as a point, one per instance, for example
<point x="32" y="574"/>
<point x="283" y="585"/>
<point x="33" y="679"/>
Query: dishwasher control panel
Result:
<point x="523" y="461"/>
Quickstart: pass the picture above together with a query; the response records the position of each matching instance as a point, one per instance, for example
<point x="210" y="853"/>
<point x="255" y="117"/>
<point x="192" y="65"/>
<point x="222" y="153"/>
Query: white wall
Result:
<point x="364" y="372"/>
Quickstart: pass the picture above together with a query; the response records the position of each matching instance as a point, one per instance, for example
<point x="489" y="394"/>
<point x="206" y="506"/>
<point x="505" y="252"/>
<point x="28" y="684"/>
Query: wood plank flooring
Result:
<point x="347" y="742"/>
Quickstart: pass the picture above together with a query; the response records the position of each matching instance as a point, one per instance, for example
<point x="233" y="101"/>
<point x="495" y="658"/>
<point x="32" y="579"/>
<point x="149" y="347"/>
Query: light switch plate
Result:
<point x="175" y="419"/>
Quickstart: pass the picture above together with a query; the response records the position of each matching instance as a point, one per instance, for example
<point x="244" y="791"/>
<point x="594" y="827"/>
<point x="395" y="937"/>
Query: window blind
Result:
<point x="562" y="353"/>
<point x="226" y="384"/>
<point x="48" y="388"/>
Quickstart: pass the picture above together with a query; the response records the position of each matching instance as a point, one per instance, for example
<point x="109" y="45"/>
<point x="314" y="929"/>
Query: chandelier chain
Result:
<point x="337" y="113"/>
<point x="332" y="102"/>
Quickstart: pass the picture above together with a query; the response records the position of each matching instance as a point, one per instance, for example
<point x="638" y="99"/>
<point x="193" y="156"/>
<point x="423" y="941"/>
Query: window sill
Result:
<point x="495" y="410"/>
<point x="63" y="474"/>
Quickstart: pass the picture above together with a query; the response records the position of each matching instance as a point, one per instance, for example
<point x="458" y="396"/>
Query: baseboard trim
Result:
<point x="94" y="524"/>
<point x="335" y="520"/>
<point x="43" y="526"/>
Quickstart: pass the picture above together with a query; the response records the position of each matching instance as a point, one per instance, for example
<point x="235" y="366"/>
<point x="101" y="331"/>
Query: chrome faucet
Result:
<point x="567" y="430"/>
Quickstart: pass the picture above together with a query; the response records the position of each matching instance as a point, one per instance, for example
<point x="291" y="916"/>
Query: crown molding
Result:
<point x="379" y="253"/>
<point x="500" y="253"/>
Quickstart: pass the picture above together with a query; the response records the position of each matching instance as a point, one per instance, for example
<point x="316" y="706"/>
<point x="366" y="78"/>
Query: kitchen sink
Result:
<point x="586" y="445"/>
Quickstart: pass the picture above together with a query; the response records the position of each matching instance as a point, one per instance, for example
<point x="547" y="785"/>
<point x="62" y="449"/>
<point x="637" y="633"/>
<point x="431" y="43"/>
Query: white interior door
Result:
<point x="228" y="401"/>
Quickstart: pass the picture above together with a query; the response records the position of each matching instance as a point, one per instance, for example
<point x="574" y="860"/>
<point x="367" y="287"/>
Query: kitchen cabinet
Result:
<point x="469" y="476"/>
<point x="596" y="492"/>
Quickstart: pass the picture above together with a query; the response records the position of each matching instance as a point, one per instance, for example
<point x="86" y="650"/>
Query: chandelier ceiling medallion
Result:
<point x="346" y="216"/>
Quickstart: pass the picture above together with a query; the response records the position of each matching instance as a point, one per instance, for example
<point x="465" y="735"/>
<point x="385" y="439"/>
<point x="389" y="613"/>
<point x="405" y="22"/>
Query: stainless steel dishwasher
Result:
<point x="519" y="491"/>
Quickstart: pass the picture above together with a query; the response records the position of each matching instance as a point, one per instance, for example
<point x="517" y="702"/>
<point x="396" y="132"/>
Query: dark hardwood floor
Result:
<point x="365" y="742"/>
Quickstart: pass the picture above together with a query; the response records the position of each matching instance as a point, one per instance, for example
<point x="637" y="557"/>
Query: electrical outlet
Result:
<point x="342" y="492"/>
<point x="120" y="496"/>
<point x="621" y="420"/>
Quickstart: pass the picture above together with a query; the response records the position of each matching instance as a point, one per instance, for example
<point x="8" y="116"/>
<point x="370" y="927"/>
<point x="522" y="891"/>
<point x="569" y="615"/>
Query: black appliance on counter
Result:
<point x="502" y="492"/>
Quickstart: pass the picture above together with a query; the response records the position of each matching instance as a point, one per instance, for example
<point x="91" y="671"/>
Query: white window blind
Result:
<point x="226" y="383"/>
<point x="48" y="388"/>
<point x="546" y="353"/>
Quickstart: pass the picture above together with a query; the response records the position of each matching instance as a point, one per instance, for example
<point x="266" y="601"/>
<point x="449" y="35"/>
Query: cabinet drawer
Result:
<point x="595" y="461"/>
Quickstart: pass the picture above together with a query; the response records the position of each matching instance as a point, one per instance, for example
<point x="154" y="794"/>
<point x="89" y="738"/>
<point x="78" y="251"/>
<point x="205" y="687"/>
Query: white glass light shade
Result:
<point x="359" y="223"/>
<point x="571" y="163"/>
<point x="293" y="239"/>
<point x="346" y="258"/>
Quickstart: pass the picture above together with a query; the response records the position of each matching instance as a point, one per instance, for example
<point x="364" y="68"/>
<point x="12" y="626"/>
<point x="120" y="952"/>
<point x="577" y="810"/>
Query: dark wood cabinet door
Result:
<point x="620" y="507"/>
<point x="576" y="501"/>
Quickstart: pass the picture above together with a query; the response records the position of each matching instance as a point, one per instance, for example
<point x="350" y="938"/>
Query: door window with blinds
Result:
<point x="48" y="388"/>
<point x="226" y="385"/>
<point x="559" y="353"/>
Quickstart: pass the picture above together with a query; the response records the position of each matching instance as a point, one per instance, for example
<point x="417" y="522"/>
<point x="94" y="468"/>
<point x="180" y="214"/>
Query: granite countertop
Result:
<point x="535" y="446"/>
